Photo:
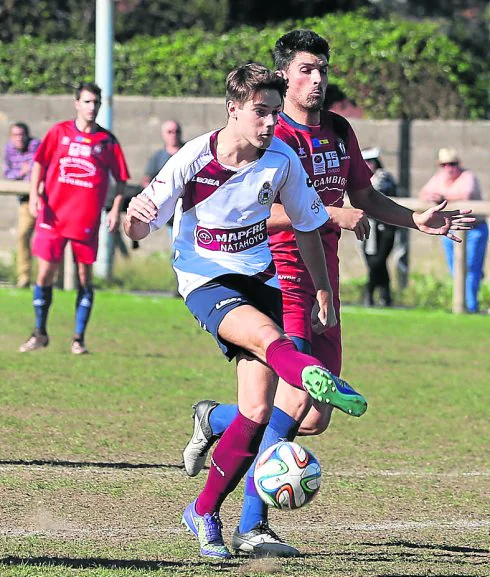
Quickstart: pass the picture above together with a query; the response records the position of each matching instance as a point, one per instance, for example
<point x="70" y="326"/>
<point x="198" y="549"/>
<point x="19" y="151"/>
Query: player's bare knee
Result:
<point x="45" y="276"/>
<point x="296" y="404"/>
<point x="267" y="334"/>
<point x="259" y="413"/>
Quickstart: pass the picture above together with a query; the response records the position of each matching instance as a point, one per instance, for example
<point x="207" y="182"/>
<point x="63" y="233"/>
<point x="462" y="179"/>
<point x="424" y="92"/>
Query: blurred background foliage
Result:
<point x="74" y="20"/>
<point x="393" y="58"/>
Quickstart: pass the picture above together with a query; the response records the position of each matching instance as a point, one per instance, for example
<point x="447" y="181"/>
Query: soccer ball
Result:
<point x="287" y="475"/>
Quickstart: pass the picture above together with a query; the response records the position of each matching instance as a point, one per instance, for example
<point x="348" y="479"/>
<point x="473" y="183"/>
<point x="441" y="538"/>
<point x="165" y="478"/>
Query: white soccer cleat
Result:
<point x="261" y="541"/>
<point x="202" y="439"/>
<point x="34" y="342"/>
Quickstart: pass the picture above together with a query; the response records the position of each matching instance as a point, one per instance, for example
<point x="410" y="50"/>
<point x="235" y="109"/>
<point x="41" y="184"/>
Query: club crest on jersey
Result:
<point x="98" y="148"/>
<point x="342" y="149"/>
<point x="265" y="193"/>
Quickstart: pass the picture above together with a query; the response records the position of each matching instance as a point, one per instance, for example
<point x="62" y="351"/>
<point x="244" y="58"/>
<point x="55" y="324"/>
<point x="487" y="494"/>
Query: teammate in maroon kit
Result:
<point x="73" y="161"/>
<point x="329" y="151"/>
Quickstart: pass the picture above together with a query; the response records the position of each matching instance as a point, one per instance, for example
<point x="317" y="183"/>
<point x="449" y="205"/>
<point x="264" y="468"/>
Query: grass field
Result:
<point x="90" y="448"/>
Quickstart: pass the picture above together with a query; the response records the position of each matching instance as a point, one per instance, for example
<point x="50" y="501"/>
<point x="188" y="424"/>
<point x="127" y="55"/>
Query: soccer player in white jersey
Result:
<point x="224" y="183"/>
<point x="328" y="149"/>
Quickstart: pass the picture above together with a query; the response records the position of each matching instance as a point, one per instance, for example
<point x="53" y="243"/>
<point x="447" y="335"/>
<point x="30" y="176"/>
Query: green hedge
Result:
<point x="391" y="68"/>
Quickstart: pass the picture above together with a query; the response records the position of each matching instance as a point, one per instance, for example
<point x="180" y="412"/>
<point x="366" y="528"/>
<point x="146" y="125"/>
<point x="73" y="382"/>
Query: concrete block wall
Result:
<point x="137" y="121"/>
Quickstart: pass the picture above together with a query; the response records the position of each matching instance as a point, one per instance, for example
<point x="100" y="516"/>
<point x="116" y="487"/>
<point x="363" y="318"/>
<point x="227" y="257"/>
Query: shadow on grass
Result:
<point x="91" y="563"/>
<point x="80" y="464"/>
<point x="450" y="548"/>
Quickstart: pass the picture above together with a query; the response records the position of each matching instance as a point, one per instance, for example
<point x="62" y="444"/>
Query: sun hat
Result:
<point x="448" y="156"/>
<point x="371" y="153"/>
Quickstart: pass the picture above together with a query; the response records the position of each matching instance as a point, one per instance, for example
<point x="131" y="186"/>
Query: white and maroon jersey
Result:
<point x="77" y="166"/>
<point x="335" y="166"/>
<point x="220" y="220"/>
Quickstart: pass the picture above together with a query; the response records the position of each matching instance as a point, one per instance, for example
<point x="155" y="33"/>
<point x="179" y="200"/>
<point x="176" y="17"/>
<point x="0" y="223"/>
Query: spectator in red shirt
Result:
<point x="73" y="161"/>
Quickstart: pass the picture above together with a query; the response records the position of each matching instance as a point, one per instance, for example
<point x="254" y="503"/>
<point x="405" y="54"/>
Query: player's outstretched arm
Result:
<point x="434" y="220"/>
<point x="141" y="211"/>
<point x="312" y="252"/>
<point x="437" y="221"/>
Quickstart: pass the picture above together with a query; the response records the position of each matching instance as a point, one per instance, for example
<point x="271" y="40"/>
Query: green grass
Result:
<point x="90" y="447"/>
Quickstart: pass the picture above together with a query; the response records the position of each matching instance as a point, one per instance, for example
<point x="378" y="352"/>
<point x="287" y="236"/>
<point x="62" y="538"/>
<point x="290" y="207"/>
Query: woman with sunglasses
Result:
<point x="453" y="182"/>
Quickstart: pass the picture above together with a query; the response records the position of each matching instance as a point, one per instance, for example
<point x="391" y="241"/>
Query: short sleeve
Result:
<point x="46" y="149"/>
<point x="166" y="189"/>
<point x="118" y="166"/>
<point x="360" y="174"/>
<point x="300" y="200"/>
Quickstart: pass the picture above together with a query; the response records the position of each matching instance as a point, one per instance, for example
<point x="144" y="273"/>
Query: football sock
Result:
<point x="232" y="457"/>
<point x="42" y="298"/>
<point x="281" y="427"/>
<point x="84" y="304"/>
<point x="221" y="418"/>
<point x="285" y="359"/>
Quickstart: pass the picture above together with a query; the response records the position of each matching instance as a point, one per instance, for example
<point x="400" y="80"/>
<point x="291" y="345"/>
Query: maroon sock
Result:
<point x="231" y="459"/>
<point x="288" y="362"/>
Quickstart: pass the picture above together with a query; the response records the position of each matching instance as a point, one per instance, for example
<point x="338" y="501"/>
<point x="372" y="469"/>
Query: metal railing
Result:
<point x="16" y="187"/>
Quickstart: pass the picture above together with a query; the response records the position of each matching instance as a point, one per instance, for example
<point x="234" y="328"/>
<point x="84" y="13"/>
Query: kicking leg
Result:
<point x="262" y="338"/>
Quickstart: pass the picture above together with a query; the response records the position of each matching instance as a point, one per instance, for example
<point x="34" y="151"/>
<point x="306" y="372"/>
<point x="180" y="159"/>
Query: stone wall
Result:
<point x="408" y="151"/>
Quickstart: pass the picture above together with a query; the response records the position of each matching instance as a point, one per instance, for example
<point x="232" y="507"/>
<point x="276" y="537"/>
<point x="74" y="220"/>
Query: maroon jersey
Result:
<point x="335" y="166"/>
<point x="77" y="166"/>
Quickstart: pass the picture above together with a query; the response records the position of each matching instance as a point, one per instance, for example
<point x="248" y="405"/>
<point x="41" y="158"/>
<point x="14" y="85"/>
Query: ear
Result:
<point x="231" y="108"/>
<point x="282" y="73"/>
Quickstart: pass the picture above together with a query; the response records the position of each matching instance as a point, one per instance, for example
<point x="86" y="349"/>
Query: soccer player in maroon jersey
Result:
<point x="330" y="154"/>
<point x="73" y="162"/>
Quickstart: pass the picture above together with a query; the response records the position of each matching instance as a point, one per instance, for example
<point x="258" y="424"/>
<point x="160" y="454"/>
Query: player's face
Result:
<point x="87" y="106"/>
<point x="257" y="117"/>
<point x="307" y="80"/>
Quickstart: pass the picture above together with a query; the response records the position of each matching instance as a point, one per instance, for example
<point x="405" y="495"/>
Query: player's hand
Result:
<point x="113" y="220"/>
<point x="351" y="219"/>
<point x="437" y="221"/>
<point x="141" y="209"/>
<point x="323" y="314"/>
<point x="34" y="205"/>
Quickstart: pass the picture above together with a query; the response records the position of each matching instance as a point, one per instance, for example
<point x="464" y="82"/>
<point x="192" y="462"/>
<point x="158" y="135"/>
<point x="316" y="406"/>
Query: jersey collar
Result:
<point x="296" y="125"/>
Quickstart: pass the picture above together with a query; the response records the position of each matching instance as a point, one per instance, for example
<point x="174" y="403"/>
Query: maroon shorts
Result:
<point x="49" y="245"/>
<point x="297" y="302"/>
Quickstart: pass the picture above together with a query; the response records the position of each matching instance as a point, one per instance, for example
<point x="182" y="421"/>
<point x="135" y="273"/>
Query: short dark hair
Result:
<point x="23" y="126"/>
<point x="288" y="45"/>
<point x="89" y="87"/>
<point x="243" y="82"/>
